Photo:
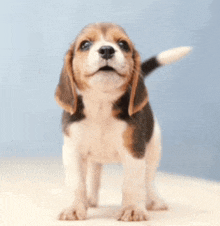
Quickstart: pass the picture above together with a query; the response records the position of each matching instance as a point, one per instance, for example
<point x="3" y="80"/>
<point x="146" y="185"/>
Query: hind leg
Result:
<point x="153" y="155"/>
<point x="94" y="177"/>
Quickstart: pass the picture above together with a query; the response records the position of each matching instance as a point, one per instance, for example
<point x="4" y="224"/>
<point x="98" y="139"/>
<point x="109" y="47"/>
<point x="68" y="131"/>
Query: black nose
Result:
<point x="106" y="52"/>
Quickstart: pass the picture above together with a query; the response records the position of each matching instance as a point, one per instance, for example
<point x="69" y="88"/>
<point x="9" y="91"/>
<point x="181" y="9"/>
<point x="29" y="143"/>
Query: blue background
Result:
<point x="185" y="96"/>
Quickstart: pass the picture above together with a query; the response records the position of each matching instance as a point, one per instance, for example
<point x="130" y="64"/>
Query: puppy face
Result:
<point x="103" y="58"/>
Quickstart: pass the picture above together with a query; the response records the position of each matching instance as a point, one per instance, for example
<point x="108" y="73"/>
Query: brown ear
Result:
<point x="139" y="95"/>
<point x="65" y="94"/>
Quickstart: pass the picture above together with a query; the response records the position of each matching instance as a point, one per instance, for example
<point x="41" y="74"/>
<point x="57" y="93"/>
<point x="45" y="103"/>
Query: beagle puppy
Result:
<point x="107" y="118"/>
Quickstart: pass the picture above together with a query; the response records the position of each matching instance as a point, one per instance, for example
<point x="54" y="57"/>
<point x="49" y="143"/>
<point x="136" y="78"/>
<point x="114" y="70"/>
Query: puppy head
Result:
<point x="102" y="59"/>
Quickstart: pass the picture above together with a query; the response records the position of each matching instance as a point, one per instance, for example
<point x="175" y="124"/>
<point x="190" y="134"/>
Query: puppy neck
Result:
<point x="98" y="104"/>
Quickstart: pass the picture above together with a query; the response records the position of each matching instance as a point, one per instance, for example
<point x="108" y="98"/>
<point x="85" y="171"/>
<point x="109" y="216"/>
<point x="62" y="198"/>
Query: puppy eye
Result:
<point x="85" y="45"/>
<point x="124" y="45"/>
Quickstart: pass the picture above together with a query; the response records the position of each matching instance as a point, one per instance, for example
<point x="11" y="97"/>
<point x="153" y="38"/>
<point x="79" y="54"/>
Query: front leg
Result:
<point x="134" y="190"/>
<point x="75" y="172"/>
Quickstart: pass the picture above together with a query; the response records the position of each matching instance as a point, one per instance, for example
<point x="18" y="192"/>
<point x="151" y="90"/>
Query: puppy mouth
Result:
<point x="106" y="68"/>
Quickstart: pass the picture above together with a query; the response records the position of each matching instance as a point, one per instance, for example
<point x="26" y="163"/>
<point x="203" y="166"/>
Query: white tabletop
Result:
<point x="32" y="192"/>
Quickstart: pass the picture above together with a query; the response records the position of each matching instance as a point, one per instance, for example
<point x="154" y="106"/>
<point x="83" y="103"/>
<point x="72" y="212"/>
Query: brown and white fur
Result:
<point x="107" y="118"/>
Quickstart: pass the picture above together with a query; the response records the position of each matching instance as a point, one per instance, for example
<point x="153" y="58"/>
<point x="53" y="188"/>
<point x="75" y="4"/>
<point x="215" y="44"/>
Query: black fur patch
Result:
<point x="149" y="65"/>
<point x="142" y="124"/>
<point x="68" y="119"/>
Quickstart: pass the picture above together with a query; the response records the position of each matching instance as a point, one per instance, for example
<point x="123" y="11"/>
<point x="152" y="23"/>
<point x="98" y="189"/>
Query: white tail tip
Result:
<point x="173" y="55"/>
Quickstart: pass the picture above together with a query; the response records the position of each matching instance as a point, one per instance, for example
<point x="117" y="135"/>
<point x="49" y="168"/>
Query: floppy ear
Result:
<point x="65" y="94"/>
<point x="139" y="95"/>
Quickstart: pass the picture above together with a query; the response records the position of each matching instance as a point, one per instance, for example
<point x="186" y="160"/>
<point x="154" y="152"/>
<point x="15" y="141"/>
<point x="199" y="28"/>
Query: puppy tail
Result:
<point x="164" y="58"/>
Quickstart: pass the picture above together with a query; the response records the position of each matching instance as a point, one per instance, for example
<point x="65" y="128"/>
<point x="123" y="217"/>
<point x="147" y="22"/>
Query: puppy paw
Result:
<point x="72" y="213"/>
<point x="132" y="213"/>
<point x="157" y="204"/>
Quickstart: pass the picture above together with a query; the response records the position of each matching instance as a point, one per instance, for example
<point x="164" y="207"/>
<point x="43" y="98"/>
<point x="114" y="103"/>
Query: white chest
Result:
<point x="99" y="135"/>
